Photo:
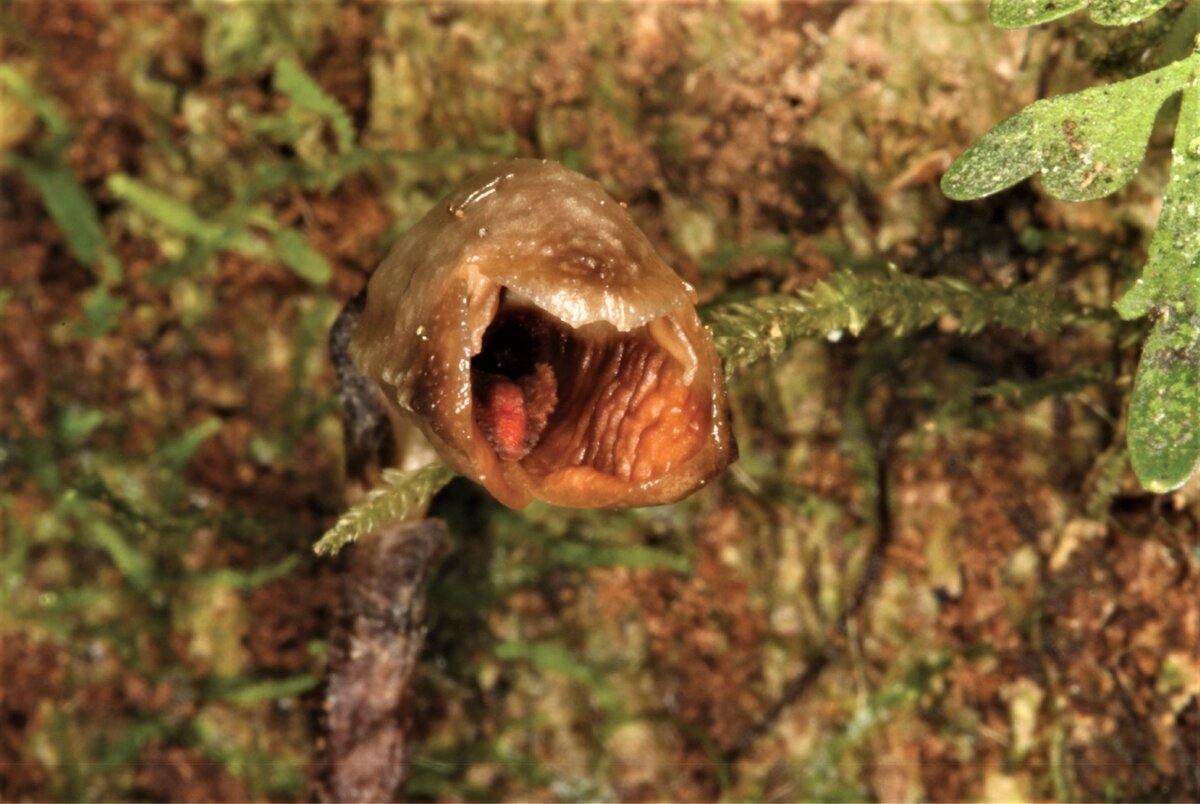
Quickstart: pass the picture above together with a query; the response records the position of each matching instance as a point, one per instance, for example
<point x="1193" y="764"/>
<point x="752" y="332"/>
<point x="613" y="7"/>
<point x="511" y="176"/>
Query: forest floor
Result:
<point x="181" y="218"/>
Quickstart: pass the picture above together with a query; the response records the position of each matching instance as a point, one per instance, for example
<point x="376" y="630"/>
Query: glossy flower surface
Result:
<point x="530" y="330"/>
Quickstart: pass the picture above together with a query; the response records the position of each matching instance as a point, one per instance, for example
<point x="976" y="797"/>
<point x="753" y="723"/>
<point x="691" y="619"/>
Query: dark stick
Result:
<point x="380" y="626"/>
<point x="373" y="654"/>
<point x="365" y="423"/>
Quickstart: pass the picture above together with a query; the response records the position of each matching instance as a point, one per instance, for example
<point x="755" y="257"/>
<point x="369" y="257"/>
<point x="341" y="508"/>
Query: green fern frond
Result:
<point x="305" y="93"/>
<point x="178" y="216"/>
<point x="71" y="208"/>
<point x="401" y="494"/>
<point x="65" y="199"/>
<point x="294" y="251"/>
<point x="846" y="302"/>
<point x="59" y="131"/>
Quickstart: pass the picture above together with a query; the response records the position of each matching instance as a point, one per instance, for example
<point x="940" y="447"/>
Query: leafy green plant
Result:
<point x="1087" y="145"/>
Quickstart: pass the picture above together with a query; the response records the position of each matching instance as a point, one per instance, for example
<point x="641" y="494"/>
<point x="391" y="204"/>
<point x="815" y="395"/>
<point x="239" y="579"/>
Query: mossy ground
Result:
<point x="170" y="448"/>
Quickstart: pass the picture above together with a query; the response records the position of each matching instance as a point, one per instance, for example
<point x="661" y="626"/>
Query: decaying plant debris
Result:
<point x="170" y="450"/>
<point x="367" y="752"/>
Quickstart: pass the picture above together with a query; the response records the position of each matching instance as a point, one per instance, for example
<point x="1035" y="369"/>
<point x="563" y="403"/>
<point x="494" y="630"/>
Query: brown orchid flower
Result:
<point x="529" y="329"/>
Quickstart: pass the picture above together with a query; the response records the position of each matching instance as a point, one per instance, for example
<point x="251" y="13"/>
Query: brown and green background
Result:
<point x="937" y="533"/>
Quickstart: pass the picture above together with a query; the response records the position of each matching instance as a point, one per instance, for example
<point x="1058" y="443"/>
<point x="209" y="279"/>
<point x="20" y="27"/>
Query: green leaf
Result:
<point x="305" y="93"/>
<point x="1164" y="415"/>
<point x="1021" y="13"/>
<point x="76" y="424"/>
<point x="58" y="127"/>
<point x="65" y="199"/>
<point x="137" y="567"/>
<point x="250" y="692"/>
<point x="176" y="453"/>
<point x="401" y="494"/>
<point x="1087" y="144"/>
<point x="246" y="579"/>
<point x="101" y="312"/>
<point x="178" y="216"/>
<point x="71" y="208"/>
<point x="1172" y="274"/>
<point x="295" y="252"/>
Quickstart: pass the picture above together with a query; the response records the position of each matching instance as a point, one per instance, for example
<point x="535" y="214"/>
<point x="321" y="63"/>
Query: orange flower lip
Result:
<point x="530" y="330"/>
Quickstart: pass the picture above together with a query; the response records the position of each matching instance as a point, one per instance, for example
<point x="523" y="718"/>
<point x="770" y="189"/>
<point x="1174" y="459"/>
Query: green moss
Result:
<point x="401" y="495"/>
<point x="848" y="301"/>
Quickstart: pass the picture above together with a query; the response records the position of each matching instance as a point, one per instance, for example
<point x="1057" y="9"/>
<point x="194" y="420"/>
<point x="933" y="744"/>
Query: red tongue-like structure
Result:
<point x="502" y="417"/>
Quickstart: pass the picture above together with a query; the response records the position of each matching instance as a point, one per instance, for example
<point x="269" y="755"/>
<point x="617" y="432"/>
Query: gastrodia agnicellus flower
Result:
<point x="530" y="330"/>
